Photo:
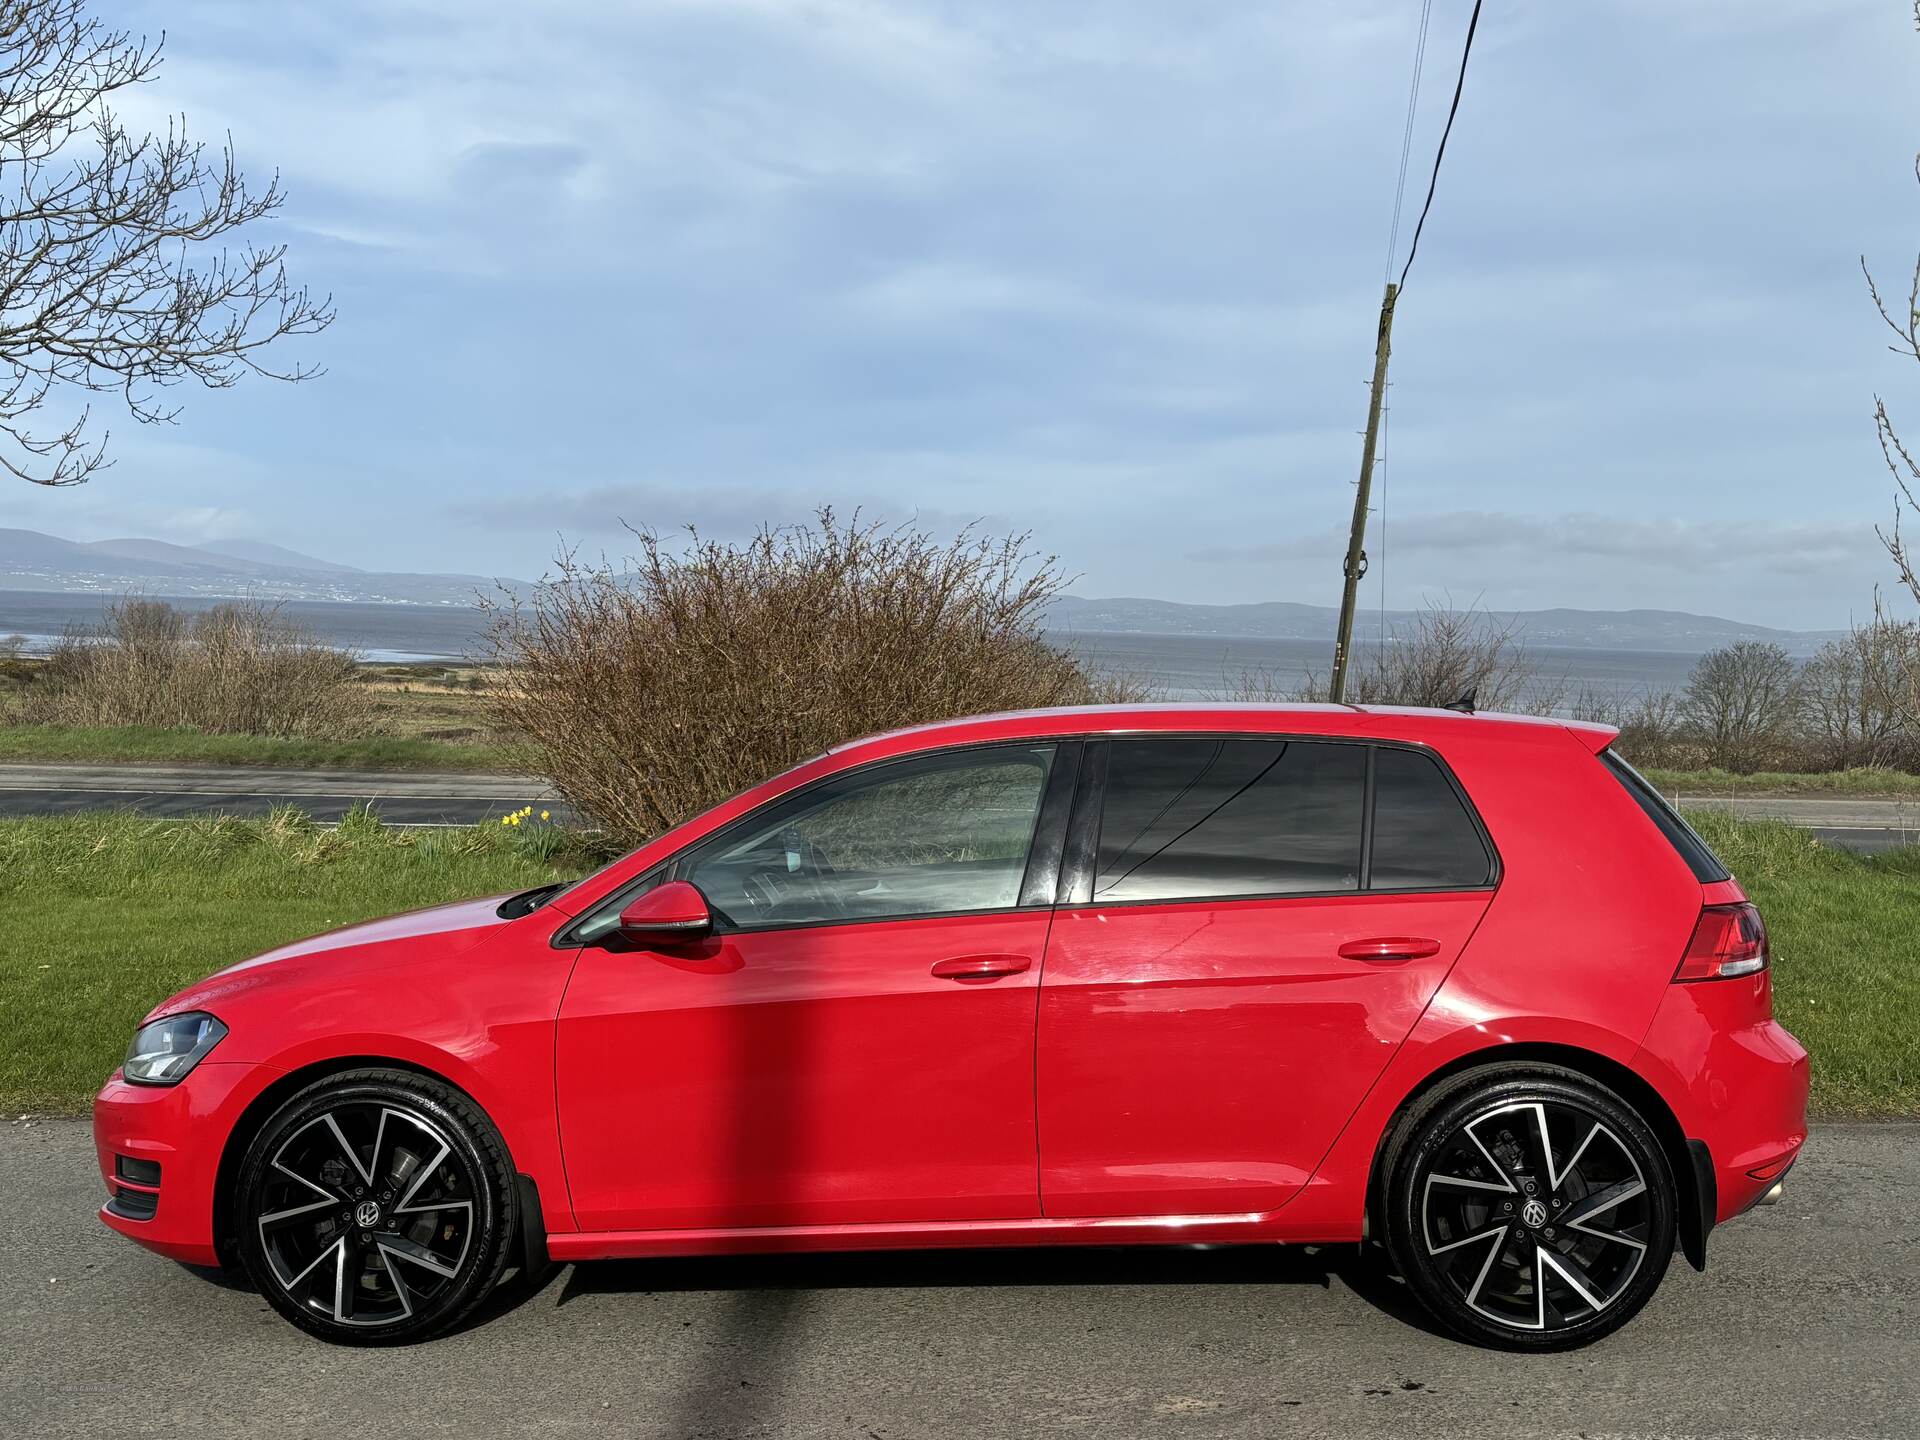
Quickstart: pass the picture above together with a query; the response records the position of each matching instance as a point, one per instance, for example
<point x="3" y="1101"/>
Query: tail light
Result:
<point x="1729" y="941"/>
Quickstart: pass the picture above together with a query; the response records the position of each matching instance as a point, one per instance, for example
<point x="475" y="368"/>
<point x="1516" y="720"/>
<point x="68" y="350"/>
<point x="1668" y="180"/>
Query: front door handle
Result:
<point x="980" y="967"/>
<point x="1387" y="948"/>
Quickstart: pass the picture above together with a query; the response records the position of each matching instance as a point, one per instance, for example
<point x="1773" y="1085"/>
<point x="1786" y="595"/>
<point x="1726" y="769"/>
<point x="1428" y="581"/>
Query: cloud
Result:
<point x="719" y="511"/>
<point x="1105" y="269"/>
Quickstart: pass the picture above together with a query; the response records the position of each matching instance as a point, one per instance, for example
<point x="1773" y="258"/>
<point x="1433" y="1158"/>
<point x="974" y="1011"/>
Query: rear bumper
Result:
<point x="183" y="1129"/>
<point x="1737" y="1084"/>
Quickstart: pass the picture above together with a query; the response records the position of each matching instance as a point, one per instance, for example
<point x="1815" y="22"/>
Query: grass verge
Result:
<point x="140" y="743"/>
<point x="107" y="914"/>
<point x="1845" y="931"/>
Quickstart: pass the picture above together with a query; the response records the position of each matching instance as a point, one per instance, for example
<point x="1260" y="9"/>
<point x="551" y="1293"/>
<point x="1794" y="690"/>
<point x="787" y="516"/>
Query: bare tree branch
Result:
<point x="110" y="277"/>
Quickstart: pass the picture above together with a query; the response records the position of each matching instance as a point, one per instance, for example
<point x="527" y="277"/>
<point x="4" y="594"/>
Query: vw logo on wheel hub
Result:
<point x="1532" y="1214"/>
<point x="366" y="1215"/>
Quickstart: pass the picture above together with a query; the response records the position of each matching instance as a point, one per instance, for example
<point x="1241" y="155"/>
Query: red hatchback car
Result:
<point x="1463" y="985"/>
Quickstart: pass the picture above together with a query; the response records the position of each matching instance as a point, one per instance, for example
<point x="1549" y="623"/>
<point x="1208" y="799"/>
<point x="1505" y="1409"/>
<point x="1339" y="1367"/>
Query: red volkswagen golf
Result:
<point x="1461" y="985"/>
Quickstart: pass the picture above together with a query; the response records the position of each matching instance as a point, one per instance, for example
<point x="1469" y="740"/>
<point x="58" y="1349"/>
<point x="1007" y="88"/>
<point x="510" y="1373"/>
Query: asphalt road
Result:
<point x="417" y="798"/>
<point x="402" y="798"/>
<point x="1806" y="1324"/>
<point x="1858" y="824"/>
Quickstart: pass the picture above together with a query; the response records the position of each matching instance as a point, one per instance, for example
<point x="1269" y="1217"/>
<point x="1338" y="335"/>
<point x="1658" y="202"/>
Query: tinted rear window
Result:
<point x="1194" y="819"/>
<point x="1700" y="858"/>
<point x="1423" y="837"/>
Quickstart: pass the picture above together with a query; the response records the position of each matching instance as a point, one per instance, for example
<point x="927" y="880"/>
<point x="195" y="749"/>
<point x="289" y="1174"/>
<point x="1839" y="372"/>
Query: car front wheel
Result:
<point x="375" y="1207"/>
<point x="1530" y="1209"/>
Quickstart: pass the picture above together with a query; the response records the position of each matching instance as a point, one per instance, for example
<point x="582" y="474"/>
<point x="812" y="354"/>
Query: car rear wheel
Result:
<point x="1530" y="1209"/>
<point x="376" y="1207"/>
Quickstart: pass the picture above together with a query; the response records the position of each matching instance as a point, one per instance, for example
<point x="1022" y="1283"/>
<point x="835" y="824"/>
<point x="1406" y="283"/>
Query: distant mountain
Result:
<point x="30" y="560"/>
<point x="1670" y="630"/>
<point x="261" y="553"/>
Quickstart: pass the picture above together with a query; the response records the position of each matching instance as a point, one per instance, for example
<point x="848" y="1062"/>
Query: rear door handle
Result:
<point x="980" y="967"/>
<point x="1386" y="948"/>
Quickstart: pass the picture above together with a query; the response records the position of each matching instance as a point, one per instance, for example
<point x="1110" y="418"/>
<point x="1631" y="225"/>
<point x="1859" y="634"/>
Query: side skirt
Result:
<point x="929" y="1235"/>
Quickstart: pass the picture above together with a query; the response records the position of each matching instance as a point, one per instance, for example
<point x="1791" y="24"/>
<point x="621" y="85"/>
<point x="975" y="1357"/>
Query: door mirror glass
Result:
<point x="669" y="914"/>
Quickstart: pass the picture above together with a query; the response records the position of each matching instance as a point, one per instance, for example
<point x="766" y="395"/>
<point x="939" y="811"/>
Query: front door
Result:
<point x="1245" y="951"/>
<point x="854" y="1044"/>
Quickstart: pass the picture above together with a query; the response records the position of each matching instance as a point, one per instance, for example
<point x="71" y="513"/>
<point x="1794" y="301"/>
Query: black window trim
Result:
<point x="1694" y="852"/>
<point x="1068" y="761"/>
<point x="1083" y="835"/>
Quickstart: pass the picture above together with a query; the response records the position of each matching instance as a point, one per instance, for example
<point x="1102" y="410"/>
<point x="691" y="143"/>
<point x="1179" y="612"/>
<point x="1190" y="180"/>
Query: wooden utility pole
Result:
<point x="1357" y="539"/>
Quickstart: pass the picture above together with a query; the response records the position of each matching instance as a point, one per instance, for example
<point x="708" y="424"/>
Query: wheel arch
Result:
<point x="1692" y="1169"/>
<point x="234" y="1151"/>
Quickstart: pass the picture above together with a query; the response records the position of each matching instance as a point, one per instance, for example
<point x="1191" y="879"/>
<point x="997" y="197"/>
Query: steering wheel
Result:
<point x="815" y="869"/>
<point x="802" y="877"/>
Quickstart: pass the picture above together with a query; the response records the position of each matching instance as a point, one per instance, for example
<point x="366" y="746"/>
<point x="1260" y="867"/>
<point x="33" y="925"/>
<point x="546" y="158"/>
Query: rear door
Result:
<point x="1252" y="925"/>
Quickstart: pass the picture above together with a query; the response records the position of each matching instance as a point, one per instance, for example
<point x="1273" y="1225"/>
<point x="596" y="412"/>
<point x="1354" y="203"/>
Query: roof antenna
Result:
<point x="1465" y="703"/>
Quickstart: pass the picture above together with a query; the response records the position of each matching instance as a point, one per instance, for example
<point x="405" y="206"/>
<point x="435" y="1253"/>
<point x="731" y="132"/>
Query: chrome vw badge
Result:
<point x="1532" y="1214"/>
<point x="367" y="1215"/>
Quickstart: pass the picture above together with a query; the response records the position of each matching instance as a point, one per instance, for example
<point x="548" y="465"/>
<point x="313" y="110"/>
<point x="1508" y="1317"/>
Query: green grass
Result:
<point x="1702" y="783"/>
<point x="108" y="914"/>
<point x="1845" y="931"/>
<point x="26" y="743"/>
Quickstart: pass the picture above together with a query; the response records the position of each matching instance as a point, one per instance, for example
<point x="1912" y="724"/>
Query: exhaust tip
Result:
<point x="1772" y="1197"/>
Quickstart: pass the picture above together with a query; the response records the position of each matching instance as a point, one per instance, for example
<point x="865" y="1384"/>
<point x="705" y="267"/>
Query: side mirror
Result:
<point x="670" y="914"/>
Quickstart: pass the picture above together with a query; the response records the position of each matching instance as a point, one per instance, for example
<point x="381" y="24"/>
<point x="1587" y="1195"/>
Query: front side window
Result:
<point x="1189" y="819"/>
<point x="939" y="835"/>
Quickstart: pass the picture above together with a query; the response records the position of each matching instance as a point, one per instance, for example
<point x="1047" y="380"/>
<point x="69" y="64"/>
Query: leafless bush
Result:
<point x="1743" y="704"/>
<point x="656" y="689"/>
<point x="239" y="668"/>
<point x="12" y="647"/>
<point x="1652" y="728"/>
<point x="1444" y="655"/>
<point x="1856" y="697"/>
<point x="1259" y="685"/>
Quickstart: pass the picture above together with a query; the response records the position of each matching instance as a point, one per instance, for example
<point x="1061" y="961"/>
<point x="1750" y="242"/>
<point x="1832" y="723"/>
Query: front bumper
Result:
<point x="183" y="1129"/>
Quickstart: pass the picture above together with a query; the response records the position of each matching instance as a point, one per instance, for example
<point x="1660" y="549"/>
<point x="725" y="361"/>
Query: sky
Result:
<point x="1105" y="271"/>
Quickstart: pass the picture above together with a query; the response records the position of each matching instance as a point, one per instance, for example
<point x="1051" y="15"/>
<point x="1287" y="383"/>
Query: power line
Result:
<point x="1355" y="565"/>
<point x="1393" y="245"/>
<point x="1406" y="136"/>
<point x="1433" y="184"/>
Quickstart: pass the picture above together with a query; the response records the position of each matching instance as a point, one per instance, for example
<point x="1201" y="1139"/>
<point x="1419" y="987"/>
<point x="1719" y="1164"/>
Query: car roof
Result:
<point x="1398" y="722"/>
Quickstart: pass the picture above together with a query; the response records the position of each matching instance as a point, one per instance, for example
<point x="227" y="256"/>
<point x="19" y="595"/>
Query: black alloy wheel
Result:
<point x="1530" y="1210"/>
<point x="376" y="1207"/>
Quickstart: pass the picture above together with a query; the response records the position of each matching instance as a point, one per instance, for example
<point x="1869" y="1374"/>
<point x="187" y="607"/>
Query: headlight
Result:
<point x="164" y="1051"/>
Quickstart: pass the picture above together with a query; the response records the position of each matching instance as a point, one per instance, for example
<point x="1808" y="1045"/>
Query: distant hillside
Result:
<point x="30" y="560"/>
<point x="1671" y="630"/>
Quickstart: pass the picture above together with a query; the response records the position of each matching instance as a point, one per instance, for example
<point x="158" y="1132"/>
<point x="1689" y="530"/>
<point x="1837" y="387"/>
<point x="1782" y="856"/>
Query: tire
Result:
<point x="1521" y="1245"/>
<point x="376" y="1207"/>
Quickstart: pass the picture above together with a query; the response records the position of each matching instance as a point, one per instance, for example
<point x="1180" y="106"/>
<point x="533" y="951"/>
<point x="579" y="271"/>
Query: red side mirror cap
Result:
<point x="669" y="914"/>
